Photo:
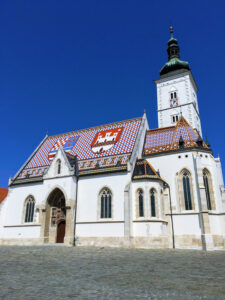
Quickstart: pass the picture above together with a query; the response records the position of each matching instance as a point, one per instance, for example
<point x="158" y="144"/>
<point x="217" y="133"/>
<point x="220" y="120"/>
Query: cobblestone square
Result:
<point x="59" y="272"/>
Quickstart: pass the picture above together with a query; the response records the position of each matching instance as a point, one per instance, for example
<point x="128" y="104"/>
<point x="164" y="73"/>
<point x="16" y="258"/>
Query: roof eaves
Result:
<point x="29" y="158"/>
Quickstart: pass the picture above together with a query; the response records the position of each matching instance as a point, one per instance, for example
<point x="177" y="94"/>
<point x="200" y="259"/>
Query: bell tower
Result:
<point x="177" y="90"/>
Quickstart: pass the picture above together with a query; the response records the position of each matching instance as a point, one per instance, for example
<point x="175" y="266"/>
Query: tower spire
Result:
<point x="171" y="32"/>
<point x="174" y="63"/>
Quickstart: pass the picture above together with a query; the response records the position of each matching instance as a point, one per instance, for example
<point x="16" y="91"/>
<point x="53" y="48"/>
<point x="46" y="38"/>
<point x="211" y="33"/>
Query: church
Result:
<point x="124" y="184"/>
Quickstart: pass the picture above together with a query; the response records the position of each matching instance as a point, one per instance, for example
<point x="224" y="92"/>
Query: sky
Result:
<point x="67" y="65"/>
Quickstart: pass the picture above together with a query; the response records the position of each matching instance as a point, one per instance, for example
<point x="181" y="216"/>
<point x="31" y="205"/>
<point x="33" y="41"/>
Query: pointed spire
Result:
<point x="174" y="63"/>
<point x="173" y="48"/>
<point x="171" y="32"/>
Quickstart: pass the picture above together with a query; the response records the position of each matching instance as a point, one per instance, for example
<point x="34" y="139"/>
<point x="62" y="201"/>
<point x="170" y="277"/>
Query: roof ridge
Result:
<point x="161" y="128"/>
<point x="91" y="128"/>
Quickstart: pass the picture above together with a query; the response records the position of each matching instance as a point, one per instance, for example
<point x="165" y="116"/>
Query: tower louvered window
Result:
<point x="106" y="203"/>
<point x="29" y="216"/>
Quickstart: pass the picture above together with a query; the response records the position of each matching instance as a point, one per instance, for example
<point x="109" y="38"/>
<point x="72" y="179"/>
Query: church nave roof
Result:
<point x="99" y="147"/>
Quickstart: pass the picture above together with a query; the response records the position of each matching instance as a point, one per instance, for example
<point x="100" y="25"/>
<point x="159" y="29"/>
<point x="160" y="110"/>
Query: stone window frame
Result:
<point x="211" y="192"/>
<point x="156" y="203"/>
<point x="181" y="190"/>
<point x="99" y="204"/>
<point x="137" y="203"/>
<point x="29" y="198"/>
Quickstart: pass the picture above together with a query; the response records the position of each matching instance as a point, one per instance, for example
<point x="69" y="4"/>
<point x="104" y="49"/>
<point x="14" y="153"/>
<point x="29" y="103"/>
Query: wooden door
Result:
<point x="61" y="232"/>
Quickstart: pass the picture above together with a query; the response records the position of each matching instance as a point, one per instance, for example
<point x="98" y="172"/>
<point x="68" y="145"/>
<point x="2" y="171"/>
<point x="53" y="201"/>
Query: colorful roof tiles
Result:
<point x="3" y="194"/>
<point x="144" y="170"/>
<point x="102" y="146"/>
<point x="167" y="138"/>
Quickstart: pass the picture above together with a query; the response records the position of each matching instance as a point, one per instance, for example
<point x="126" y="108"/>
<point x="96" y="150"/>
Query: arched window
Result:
<point x="29" y="214"/>
<point x="187" y="190"/>
<point x="208" y="190"/>
<point x="140" y="203"/>
<point x="106" y="203"/>
<point x="152" y="202"/>
<point x="58" y="166"/>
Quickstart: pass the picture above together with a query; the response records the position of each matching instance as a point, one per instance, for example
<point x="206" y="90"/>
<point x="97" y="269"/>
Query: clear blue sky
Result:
<point x="71" y="64"/>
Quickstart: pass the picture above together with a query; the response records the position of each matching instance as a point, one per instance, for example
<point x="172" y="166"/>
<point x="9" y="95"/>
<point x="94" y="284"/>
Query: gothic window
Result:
<point x="58" y="166"/>
<point x="106" y="203"/>
<point x="187" y="191"/>
<point x="140" y="203"/>
<point x="208" y="188"/>
<point x="29" y="210"/>
<point x="152" y="202"/>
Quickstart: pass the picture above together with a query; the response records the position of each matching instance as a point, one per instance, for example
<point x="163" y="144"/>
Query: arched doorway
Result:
<point x="55" y="226"/>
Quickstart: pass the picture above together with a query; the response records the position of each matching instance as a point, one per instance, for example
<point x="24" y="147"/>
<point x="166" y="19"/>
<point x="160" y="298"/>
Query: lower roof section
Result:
<point x="179" y="137"/>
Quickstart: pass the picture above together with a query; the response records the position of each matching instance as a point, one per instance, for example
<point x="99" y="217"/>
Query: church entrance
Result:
<point x="61" y="232"/>
<point x="55" y="225"/>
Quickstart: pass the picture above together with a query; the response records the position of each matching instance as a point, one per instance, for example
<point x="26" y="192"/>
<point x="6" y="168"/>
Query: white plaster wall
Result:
<point x="169" y="166"/>
<point x="186" y="224"/>
<point x="154" y="227"/>
<point x="146" y="186"/>
<point x="217" y="224"/>
<point x="22" y="232"/>
<point x="14" y="203"/>
<point x="100" y="230"/>
<point x="88" y="206"/>
<point x="150" y="229"/>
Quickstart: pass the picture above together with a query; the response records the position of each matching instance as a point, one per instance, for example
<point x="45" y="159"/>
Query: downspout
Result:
<point x="75" y="213"/>
<point x="171" y="215"/>
<point x="199" y="205"/>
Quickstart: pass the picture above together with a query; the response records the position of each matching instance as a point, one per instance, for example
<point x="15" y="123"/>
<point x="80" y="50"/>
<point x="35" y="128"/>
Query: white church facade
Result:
<point x="123" y="184"/>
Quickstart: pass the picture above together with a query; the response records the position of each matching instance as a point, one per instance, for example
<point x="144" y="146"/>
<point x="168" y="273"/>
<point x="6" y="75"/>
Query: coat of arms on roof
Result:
<point x="67" y="143"/>
<point x="105" y="139"/>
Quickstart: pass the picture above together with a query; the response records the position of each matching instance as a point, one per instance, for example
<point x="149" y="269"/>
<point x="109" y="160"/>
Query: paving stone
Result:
<point x="33" y="273"/>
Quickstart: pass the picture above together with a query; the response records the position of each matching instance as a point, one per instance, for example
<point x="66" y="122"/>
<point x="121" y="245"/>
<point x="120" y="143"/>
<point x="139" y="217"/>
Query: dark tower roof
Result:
<point x="174" y="63"/>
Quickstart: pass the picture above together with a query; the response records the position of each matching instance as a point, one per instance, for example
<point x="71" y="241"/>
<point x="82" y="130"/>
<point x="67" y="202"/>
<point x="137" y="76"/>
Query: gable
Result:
<point x="103" y="146"/>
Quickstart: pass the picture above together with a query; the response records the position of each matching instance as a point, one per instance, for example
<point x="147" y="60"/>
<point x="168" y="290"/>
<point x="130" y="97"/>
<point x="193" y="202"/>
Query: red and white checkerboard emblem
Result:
<point x="105" y="139"/>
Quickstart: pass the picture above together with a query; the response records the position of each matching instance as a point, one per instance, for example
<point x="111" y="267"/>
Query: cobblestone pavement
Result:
<point x="49" y="272"/>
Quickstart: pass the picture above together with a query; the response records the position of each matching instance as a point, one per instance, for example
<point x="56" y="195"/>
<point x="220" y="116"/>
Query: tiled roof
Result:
<point x="102" y="146"/>
<point x="144" y="170"/>
<point x="3" y="194"/>
<point x="167" y="138"/>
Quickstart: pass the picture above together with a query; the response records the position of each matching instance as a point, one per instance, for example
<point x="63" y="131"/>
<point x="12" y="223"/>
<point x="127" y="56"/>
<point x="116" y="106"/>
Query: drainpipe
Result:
<point x="199" y="205"/>
<point x="171" y="215"/>
<point x="75" y="213"/>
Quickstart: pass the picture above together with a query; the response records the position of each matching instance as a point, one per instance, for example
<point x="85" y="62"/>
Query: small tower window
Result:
<point x="173" y="95"/>
<point x="58" y="166"/>
<point x="175" y="118"/>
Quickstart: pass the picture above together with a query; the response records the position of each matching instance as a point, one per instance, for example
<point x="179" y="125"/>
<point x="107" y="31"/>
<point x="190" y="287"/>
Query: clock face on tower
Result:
<point x="174" y="102"/>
